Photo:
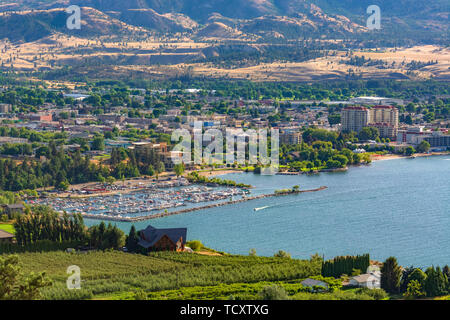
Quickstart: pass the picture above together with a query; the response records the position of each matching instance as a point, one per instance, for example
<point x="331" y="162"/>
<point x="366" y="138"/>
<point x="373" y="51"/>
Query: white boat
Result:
<point x="262" y="208"/>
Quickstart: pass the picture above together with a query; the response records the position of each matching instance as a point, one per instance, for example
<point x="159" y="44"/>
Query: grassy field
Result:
<point x="7" y="227"/>
<point x="119" y="275"/>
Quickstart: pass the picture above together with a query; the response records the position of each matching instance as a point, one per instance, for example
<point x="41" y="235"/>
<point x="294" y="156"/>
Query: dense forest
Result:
<point x="60" y="169"/>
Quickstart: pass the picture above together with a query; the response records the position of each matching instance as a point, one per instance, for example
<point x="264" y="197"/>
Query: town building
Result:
<point x="415" y="135"/>
<point x="5" y="108"/>
<point x="290" y="137"/>
<point x="376" y="101"/>
<point x="39" y="117"/>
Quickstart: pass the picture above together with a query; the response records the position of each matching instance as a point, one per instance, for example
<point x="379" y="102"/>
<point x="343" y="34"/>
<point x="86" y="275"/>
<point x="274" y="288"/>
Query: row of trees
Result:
<point x="414" y="282"/>
<point x="42" y="224"/>
<point x="105" y="236"/>
<point x="345" y="265"/>
<point x="45" y="224"/>
<point x="194" y="177"/>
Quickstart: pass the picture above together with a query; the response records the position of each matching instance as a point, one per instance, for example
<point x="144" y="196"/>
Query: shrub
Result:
<point x="195" y="245"/>
<point x="282" y="254"/>
<point x="414" y="290"/>
<point x="377" y="294"/>
<point x="274" y="292"/>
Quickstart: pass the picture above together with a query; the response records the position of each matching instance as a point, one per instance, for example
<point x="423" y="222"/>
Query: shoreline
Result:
<point x="416" y="155"/>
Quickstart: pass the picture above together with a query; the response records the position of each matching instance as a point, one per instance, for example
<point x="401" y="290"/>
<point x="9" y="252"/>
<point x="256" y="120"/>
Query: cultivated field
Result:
<point x="108" y="274"/>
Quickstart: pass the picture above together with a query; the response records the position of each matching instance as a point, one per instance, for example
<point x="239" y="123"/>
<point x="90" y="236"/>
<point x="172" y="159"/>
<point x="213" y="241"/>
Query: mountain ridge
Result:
<point x="289" y="19"/>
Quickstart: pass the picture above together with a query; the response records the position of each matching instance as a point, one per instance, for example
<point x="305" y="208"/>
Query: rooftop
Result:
<point x="5" y="235"/>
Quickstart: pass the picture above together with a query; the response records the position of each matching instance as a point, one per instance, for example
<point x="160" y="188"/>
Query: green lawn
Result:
<point x="7" y="227"/>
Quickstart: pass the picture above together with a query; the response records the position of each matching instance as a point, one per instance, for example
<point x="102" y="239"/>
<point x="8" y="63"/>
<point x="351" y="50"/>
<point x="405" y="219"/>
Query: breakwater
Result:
<point x="212" y="205"/>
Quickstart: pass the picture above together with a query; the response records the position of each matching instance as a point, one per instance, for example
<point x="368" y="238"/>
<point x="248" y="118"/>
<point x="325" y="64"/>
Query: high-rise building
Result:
<point x="5" y="108"/>
<point x="290" y="137"/>
<point x="384" y="118"/>
<point x="355" y="118"/>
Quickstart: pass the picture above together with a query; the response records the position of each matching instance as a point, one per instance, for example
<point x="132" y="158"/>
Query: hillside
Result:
<point x="218" y="30"/>
<point x="33" y="25"/>
<point x="402" y="20"/>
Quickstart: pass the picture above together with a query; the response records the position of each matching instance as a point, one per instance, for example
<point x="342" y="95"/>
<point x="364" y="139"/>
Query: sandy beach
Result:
<point x="218" y="172"/>
<point x="396" y="156"/>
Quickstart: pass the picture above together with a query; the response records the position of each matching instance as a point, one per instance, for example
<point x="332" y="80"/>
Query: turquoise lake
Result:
<point x="395" y="208"/>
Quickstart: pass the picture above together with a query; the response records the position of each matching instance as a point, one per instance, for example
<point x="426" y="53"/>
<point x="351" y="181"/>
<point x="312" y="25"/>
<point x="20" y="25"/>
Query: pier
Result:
<point x="209" y="206"/>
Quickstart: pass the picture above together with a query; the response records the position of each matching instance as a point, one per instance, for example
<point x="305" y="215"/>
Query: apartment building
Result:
<point x="290" y="137"/>
<point x="355" y="118"/>
<point x="384" y="118"/>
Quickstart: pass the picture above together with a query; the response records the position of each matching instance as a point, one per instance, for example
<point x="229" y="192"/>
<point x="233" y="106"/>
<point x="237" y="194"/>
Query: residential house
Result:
<point x="6" y="237"/>
<point x="13" y="209"/>
<point x="367" y="280"/>
<point x="153" y="239"/>
<point x="312" y="283"/>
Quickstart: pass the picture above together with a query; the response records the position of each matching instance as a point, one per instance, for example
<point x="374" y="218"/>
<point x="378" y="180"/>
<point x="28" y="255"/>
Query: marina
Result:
<point x="150" y="201"/>
<point x="202" y="206"/>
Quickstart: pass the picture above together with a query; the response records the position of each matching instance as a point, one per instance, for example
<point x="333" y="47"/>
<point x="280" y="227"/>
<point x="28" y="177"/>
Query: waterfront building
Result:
<point x="153" y="239"/>
<point x="355" y="118"/>
<point x="290" y="137"/>
<point x="415" y="135"/>
<point x="384" y="118"/>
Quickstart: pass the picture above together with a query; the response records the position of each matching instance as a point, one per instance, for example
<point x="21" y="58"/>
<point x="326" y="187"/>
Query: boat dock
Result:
<point x="213" y="205"/>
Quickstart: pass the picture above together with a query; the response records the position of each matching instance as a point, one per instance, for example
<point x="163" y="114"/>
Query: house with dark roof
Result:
<point x="6" y="236"/>
<point x="152" y="239"/>
<point x="312" y="284"/>
<point x="13" y="209"/>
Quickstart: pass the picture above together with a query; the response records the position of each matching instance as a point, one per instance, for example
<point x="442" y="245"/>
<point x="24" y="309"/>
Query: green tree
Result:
<point x="16" y="285"/>
<point x="436" y="282"/>
<point x="273" y="292"/>
<point x="409" y="151"/>
<point x="179" y="169"/>
<point x="414" y="290"/>
<point x="391" y="274"/>
<point x="423" y="147"/>
<point x="151" y="171"/>
<point x="132" y="240"/>
<point x="195" y="245"/>
<point x="369" y="133"/>
<point x="98" y="143"/>
<point x="418" y="275"/>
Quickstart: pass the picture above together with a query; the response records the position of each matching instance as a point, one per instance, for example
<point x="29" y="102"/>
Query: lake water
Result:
<point x="395" y="208"/>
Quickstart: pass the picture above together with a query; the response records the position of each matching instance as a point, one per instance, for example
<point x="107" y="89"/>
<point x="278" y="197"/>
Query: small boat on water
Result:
<point x="262" y="208"/>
